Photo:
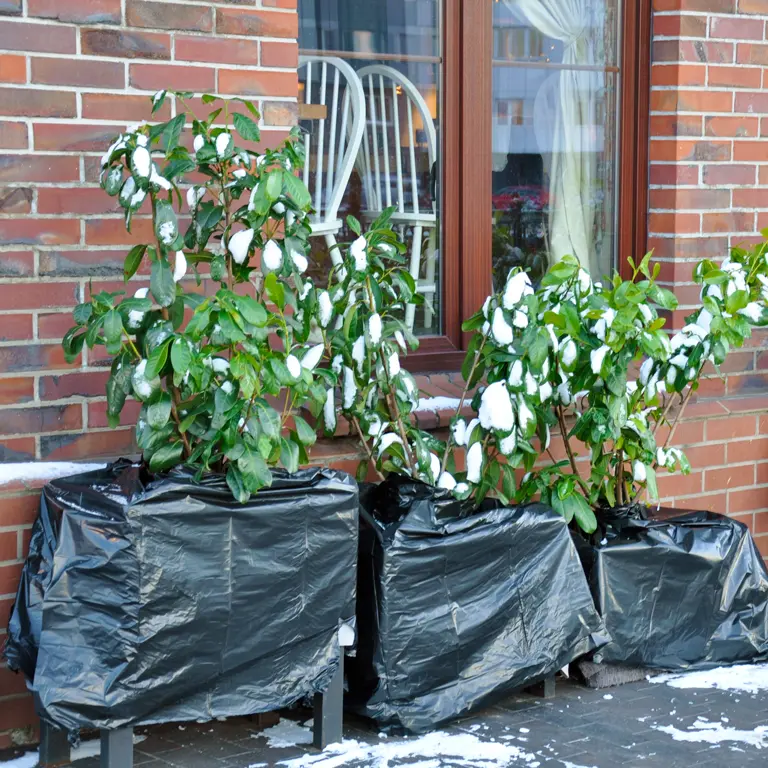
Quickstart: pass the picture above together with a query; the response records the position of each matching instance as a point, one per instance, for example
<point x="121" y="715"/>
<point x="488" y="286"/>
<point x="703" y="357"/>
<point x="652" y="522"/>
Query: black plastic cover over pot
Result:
<point x="147" y="600"/>
<point x="459" y="606"/>
<point x="678" y="590"/>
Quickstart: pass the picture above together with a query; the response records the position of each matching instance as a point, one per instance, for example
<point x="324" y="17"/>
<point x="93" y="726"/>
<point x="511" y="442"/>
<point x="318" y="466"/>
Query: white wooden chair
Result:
<point x="331" y="149"/>
<point x="391" y="100"/>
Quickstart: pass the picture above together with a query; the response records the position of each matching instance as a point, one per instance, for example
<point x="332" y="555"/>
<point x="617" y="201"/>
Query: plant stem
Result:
<point x="449" y="441"/>
<point x="366" y="447"/>
<point x="620" y="495"/>
<point x="568" y="451"/>
<point x="678" y="415"/>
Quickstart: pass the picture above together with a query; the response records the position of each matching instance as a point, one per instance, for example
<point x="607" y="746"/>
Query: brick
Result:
<point x="690" y="150"/>
<point x="750" y="198"/>
<point x="89" y="263"/>
<point x="741" y="127"/>
<point x="673" y="175"/>
<point x="77" y="11"/>
<point x="672" y="485"/>
<point x="80" y="384"/>
<point x="112" y="232"/>
<point x="168" y="15"/>
<point x="39" y="231"/>
<point x="760" y="524"/>
<point x="279" y="3"/>
<point x="732" y="221"/>
<point x="735" y="77"/>
<point x="678" y="74"/>
<point x="216" y="50"/>
<point x="78" y="71"/>
<point x="17" y="448"/>
<point x="125" y="44"/>
<point x="736" y="28"/>
<point x="9" y="544"/>
<point x="36" y="295"/>
<point x="740" y="451"/>
<point x="710" y="6"/>
<point x="15" y="200"/>
<point x="11" y="683"/>
<point x="690" y="198"/>
<point x="91" y="445"/>
<point x="280" y="113"/>
<point x="691" y="101"/>
<point x="39" y="168"/>
<point x="11" y="7"/>
<point x="679" y="26"/>
<point x="49" y="418"/>
<point x="752" y="53"/>
<point x="13" y="69"/>
<point x="694" y="51"/>
<point x="729" y="174"/>
<point x="76" y="200"/>
<point x="152" y="77"/>
<point x="706" y="455"/>
<point x="73" y="137"/>
<point x="750" y="150"/>
<point x="13" y="135"/>
<point x="688" y="248"/>
<point x="748" y="500"/>
<point x="731" y="427"/>
<point x="752" y="102"/>
<point x="9" y="580"/>
<point x="14" y="391"/>
<point x="674" y="222"/>
<point x="17" y="263"/>
<point x="29" y="102"/>
<point x="275" y="54"/>
<point x="258" y="83"/>
<point x="53" y="325"/>
<point x="675" y="125"/>
<point x="234" y="21"/>
<point x="107" y="106"/>
<point x="19" y="509"/>
<point x="22" y="36"/>
<point x="97" y="414"/>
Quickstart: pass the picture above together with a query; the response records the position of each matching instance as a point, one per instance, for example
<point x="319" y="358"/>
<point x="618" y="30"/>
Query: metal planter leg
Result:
<point x="329" y="710"/>
<point x="54" y="746"/>
<point x="117" y="748"/>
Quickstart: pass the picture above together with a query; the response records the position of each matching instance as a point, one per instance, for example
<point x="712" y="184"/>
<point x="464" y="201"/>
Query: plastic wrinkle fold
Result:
<point x="678" y="590"/>
<point x="154" y="599"/>
<point x="458" y="606"/>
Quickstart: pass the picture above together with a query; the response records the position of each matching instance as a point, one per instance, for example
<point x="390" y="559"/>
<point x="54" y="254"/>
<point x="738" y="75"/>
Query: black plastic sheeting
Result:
<point x="459" y="606"/>
<point x="148" y="600"/>
<point x="678" y="590"/>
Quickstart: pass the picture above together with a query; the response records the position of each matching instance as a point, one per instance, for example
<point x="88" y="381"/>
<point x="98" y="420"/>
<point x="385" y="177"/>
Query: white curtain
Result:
<point x="574" y="158"/>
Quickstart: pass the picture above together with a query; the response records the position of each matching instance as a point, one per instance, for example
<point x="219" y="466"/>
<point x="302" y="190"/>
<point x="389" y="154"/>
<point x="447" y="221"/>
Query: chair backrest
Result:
<point x="331" y="149"/>
<point x="391" y="100"/>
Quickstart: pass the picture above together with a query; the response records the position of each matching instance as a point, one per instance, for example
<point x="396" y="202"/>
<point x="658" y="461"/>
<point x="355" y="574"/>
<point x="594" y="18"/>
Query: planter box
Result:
<point x="147" y="600"/>
<point x="458" y="606"/>
<point x="679" y="591"/>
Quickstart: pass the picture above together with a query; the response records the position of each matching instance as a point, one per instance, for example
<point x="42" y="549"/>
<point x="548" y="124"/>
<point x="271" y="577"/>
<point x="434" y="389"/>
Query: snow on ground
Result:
<point x="744" y="678"/>
<point x="462" y="749"/>
<point x="25" y="761"/>
<point x="286" y="733"/>
<point x="715" y="733"/>
<point x="42" y="470"/>
<point x="435" y="404"/>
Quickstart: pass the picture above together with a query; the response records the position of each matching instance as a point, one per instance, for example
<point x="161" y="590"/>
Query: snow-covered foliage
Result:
<point x="203" y="366"/>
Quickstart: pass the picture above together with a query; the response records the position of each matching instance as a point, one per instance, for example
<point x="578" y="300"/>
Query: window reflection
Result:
<point x="394" y="48"/>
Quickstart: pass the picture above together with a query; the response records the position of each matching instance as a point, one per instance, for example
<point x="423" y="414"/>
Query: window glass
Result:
<point x="393" y="49"/>
<point x="555" y="112"/>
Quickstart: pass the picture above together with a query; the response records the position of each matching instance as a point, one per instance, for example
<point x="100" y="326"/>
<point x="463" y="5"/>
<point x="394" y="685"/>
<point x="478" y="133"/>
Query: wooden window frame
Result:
<point x="466" y="128"/>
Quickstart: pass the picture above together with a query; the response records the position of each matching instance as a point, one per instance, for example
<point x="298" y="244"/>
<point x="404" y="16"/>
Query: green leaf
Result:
<point x="72" y="344"/>
<point x="289" y="454"/>
<point x="354" y="225"/>
<point x="275" y="290"/>
<point x="156" y="360"/>
<point x="269" y="419"/>
<point x="297" y="190"/>
<point x="274" y="184"/>
<point x="207" y="98"/>
<point x="161" y="283"/>
<point x="650" y="482"/>
<point x="254" y="470"/>
<point x="736" y="301"/>
<point x="166" y="456"/>
<point x="159" y="412"/>
<point x="172" y="132"/>
<point x="246" y="127"/>
<point x="253" y="311"/>
<point x="113" y="331"/>
<point x="236" y="484"/>
<point x="304" y="432"/>
<point x="158" y="100"/>
<point x="582" y="512"/>
<point x="280" y="369"/>
<point x="166" y="224"/>
<point x="181" y="355"/>
<point x="133" y="261"/>
<point x="82" y="313"/>
<point x="113" y="180"/>
<point x="219" y="268"/>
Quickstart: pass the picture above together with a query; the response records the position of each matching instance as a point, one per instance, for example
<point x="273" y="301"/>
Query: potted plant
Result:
<point x="447" y="581"/>
<point x="605" y="373"/>
<point x="210" y="600"/>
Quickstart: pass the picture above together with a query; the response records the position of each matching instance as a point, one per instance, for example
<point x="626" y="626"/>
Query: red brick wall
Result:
<point x="708" y="191"/>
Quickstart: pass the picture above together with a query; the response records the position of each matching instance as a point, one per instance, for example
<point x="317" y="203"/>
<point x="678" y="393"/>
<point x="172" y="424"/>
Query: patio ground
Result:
<point x="642" y="724"/>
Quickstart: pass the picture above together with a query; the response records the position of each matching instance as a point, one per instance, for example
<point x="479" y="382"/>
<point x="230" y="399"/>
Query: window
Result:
<point x="529" y="137"/>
